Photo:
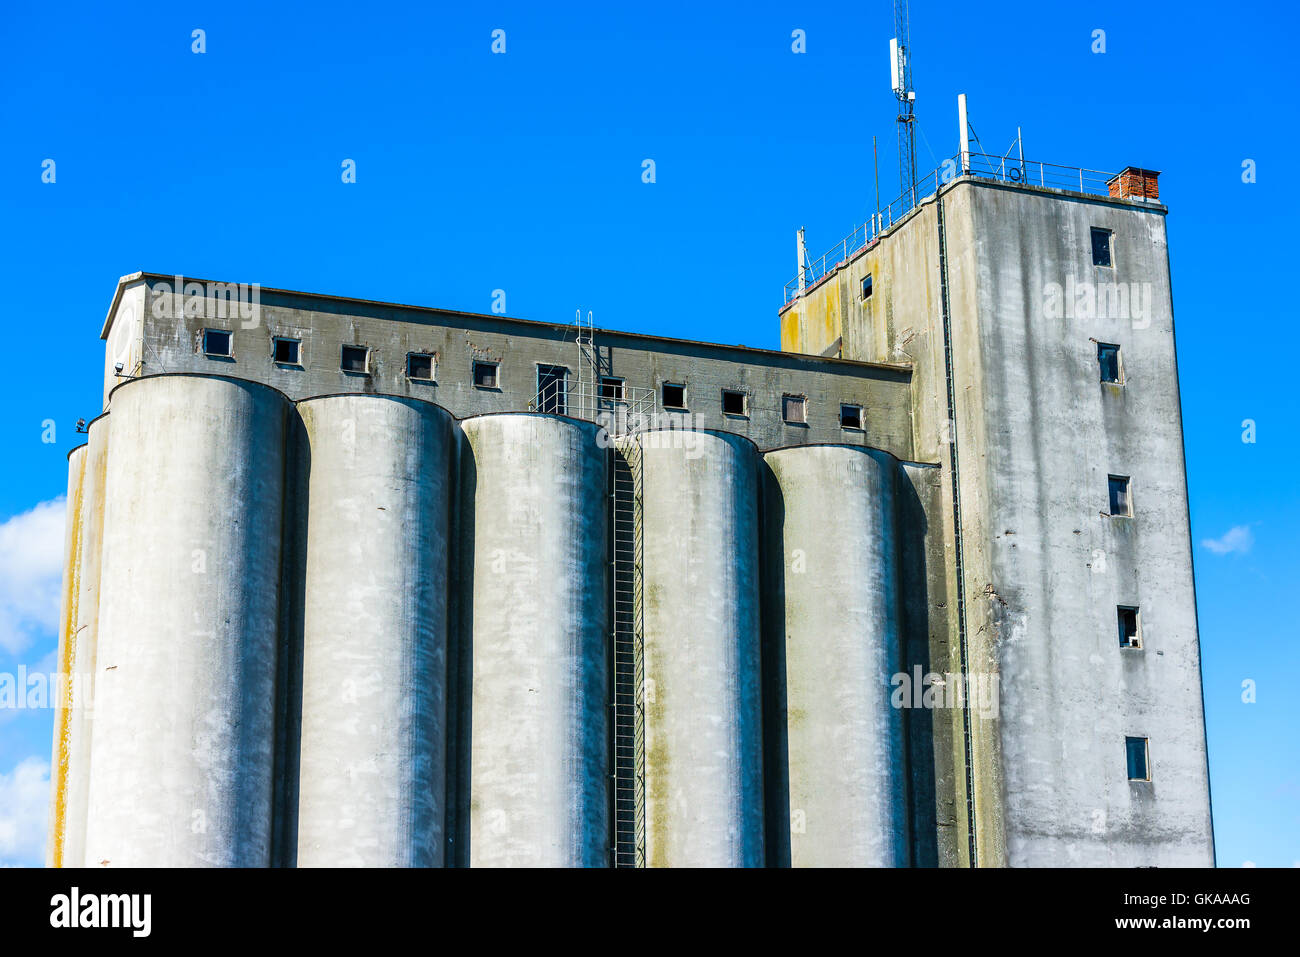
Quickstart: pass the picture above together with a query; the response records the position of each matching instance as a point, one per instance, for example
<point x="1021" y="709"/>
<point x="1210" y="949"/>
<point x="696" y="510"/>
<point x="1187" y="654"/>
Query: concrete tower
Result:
<point x="1039" y="326"/>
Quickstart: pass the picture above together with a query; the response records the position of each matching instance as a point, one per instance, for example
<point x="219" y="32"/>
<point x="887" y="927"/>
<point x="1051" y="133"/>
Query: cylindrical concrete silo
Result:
<point x="831" y="614"/>
<point x="372" y="752"/>
<point x="185" y="672"/>
<point x="703" y="750"/>
<point x="70" y="777"/>
<point x="535" y="524"/>
<point x="56" y="845"/>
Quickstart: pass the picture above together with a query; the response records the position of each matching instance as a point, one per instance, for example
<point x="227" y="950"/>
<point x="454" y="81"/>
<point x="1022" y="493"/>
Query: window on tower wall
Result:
<point x="1108" y="360"/>
<point x="1100" y="247"/>
<point x="1130" y="633"/>
<point x="1137" y="751"/>
<point x="1121" y="498"/>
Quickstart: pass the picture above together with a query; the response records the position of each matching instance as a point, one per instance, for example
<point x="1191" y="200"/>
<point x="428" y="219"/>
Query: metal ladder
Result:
<point x="628" y="675"/>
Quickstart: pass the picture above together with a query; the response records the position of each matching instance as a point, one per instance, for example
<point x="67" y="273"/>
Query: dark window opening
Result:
<point x="1129" y="635"/>
<point x="1121" y="499"/>
<point x="1108" y="359"/>
<point x="552" y="391"/>
<point x="794" y="409"/>
<point x="611" y="387"/>
<point x="866" y="286"/>
<point x="733" y="402"/>
<point x="485" y="375"/>
<point x="850" y="417"/>
<point x="216" y="342"/>
<point x="355" y="359"/>
<point x="1101" y="247"/>
<point x="1138" y="763"/>
<point x="674" y="396"/>
<point x="287" y="351"/>
<point x="419" y="365"/>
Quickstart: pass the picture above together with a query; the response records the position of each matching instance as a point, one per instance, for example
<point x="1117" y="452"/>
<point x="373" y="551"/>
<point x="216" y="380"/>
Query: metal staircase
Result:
<point x="596" y="396"/>
<point x="628" y="718"/>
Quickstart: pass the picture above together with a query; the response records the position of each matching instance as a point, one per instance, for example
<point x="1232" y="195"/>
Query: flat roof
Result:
<point x="481" y="317"/>
<point x="977" y="179"/>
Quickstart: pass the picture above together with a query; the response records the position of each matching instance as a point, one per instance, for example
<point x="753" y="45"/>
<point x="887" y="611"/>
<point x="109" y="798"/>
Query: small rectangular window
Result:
<point x="794" y="409"/>
<point x="1130" y="634"/>
<point x="850" y="417"/>
<point x="733" y="402"/>
<point x="1108" y="359"/>
<point x="1121" y="498"/>
<point x="216" y="343"/>
<point x="674" y="395"/>
<point x="287" y="352"/>
<point x="866" y="286"/>
<point x="486" y="375"/>
<point x="1100" y="247"/>
<point x="419" y="366"/>
<point x="1138" y="752"/>
<point x="356" y="359"/>
<point x="611" y="388"/>
<point x="552" y="389"/>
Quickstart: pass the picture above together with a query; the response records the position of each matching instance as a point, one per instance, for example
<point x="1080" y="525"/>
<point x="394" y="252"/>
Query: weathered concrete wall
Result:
<point x="833" y="621"/>
<point x="533" y="496"/>
<point x="59" y="825"/>
<point x="1050" y="433"/>
<point x="317" y="561"/>
<point x="170" y="340"/>
<point x="934" y="734"/>
<point x="82" y="650"/>
<point x="374" y="668"/>
<point x="125" y="341"/>
<point x="703" y="751"/>
<point x="185" y="687"/>
<point x="1044" y="570"/>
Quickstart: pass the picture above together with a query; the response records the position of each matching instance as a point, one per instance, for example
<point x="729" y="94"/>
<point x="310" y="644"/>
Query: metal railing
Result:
<point x="622" y="409"/>
<point x="1004" y="169"/>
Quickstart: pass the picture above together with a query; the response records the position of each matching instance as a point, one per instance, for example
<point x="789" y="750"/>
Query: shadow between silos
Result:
<point x="912" y="528"/>
<point x="289" y="650"/>
<point x="460" y="656"/>
<point x="776" y="753"/>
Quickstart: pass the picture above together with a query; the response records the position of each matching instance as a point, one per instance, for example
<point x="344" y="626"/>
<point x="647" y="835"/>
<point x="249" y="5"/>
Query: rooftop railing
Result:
<point x="620" y="408"/>
<point x="1004" y="169"/>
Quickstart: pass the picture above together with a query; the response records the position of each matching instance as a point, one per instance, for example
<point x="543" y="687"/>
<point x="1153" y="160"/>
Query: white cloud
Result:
<point x="1236" y="539"/>
<point x="24" y="801"/>
<point x="31" y="574"/>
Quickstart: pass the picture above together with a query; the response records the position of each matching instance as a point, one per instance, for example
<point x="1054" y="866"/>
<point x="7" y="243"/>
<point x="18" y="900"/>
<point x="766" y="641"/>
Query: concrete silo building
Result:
<point x="356" y="583"/>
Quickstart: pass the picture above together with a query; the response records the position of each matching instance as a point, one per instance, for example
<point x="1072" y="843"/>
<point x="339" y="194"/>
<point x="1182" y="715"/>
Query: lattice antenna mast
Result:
<point x="900" y="56"/>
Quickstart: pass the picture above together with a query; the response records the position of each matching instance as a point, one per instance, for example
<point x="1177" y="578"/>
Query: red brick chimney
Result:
<point x="1134" y="183"/>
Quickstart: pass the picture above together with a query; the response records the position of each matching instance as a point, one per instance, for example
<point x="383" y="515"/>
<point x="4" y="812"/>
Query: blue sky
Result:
<point x="522" y="172"/>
